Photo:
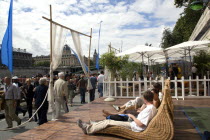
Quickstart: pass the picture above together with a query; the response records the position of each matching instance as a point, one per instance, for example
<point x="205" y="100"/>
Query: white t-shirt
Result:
<point x="100" y="78"/>
<point x="18" y="89"/>
<point x="145" y="117"/>
<point x="160" y="96"/>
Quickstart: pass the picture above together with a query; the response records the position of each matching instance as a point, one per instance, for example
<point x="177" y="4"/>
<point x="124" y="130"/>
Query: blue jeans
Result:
<point x="82" y="94"/>
<point x="100" y="89"/>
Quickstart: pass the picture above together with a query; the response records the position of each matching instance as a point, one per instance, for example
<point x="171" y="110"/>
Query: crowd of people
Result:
<point x="34" y="91"/>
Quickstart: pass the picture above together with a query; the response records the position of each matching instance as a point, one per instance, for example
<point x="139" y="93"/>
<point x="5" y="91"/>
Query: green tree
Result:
<point x="167" y="39"/>
<point x="128" y="70"/>
<point x="180" y="3"/>
<point x="185" y="25"/>
<point x="43" y="64"/>
<point x="113" y="63"/>
<point x="202" y="59"/>
<point x="183" y="28"/>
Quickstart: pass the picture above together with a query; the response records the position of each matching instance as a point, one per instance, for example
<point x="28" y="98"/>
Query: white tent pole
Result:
<point x="142" y="55"/>
<point x="166" y="57"/>
<point x="185" y="59"/>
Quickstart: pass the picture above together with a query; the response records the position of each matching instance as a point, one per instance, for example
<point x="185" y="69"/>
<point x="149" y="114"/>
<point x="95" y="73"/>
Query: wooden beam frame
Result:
<point x="50" y="20"/>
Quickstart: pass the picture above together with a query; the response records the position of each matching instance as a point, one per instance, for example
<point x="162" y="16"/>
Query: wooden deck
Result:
<point x="66" y="129"/>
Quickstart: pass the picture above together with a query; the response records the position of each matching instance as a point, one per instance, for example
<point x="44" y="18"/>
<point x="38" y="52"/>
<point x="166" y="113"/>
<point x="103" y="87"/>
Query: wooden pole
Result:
<point x="89" y="53"/>
<point x="50" y="34"/>
<point x="89" y="65"/>
<point x="65" y="26"/>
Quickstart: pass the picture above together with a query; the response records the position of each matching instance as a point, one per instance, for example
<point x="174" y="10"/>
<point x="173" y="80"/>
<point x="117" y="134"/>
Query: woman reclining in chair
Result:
<point x="138" y="102"/>
<point x="137" y="125"/>
<point x="134" y="107"/>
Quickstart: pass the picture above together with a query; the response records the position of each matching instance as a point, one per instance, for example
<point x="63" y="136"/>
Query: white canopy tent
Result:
<point x="187" y="48"/>
<point x="142" y="52"/>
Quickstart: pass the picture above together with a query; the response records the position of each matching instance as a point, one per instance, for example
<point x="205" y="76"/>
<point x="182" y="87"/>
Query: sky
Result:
<point x="124" y="22"/>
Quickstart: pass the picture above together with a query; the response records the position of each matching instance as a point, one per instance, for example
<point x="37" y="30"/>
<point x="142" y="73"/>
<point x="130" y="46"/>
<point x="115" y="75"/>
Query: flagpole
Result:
<point x="89" y="66"/>
<point x="99" y="35"/>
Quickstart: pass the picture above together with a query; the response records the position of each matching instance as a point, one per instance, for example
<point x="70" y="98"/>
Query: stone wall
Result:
<point x="28" y="72"/>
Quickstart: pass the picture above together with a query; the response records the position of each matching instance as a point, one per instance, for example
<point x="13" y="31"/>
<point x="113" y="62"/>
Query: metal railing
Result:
<point x="180" y="88"/>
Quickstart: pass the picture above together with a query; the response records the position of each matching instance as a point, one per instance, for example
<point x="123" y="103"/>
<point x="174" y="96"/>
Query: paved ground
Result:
<point x="66" y="128"/>
<point x="4" y="135"/>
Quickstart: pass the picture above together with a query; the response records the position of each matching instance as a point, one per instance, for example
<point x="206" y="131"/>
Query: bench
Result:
<point x="161" y="127"/>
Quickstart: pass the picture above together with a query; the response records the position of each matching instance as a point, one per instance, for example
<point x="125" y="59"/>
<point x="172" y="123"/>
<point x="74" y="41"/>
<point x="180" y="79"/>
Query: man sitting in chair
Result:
<point x="137" y="125"/>
<point x="138" y="102"/>
<point x="135" y="106"/>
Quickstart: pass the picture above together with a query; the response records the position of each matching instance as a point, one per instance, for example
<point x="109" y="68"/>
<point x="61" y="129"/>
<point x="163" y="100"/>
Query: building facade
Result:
<point x="68" y="59"/>
<point x="21" y="58"/>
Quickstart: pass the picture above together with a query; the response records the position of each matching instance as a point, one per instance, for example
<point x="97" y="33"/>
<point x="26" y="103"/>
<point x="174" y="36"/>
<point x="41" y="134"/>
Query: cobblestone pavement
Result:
<point x="4" y="135"/>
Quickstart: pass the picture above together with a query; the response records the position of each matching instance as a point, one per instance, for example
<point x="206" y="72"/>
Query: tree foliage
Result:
<point x="185" y="25"/>
<point x="183" y="28"/>
<point x="180" y="3"/>
<point x="202" y="59"/>
<point x="112" y="62"/>
<point x="127" y="71"/>
<point x="43" y="64"/>
<point x="167" y="39"/>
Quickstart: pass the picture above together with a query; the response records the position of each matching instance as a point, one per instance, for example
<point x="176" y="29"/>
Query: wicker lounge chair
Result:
<point x="160" y="128"/>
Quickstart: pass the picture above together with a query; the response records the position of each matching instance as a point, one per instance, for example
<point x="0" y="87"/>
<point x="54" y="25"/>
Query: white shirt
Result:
<point x="160" y="96"/>
<point x="100" y="78"/>
<point x="18" y="90"/>
<point x="194" y="69"/>
<point x="60" y="88"/>
<point x="145" y="117"/>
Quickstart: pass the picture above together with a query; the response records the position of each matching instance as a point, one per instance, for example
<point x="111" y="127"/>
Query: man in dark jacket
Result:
<point x="93" y="81"/>
<point x="39" y="96"/>
<point x="29" y="94"/>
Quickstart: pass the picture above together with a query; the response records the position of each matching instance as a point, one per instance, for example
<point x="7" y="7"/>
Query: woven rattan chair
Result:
<point x="160" y="128"/>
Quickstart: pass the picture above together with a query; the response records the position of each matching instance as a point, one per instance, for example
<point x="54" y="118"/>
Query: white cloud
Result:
<point x="31" y="31"/>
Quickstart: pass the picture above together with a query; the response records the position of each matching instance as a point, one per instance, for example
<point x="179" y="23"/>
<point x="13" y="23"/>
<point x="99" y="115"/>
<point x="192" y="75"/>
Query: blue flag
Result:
<point x="97" y="57"/>
<point x="78" y="58"/>
<point x="6" y="47"/>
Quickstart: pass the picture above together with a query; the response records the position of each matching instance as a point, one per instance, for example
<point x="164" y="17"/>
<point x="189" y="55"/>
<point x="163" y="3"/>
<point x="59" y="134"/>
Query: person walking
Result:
<point x="29" y="93"/>
<point x="11" y="97"/>
<point x="71" y="91"/>
<point x="194" y="71"/>
<point x="82" y="85"/>
<point x="93" y="82"/>
<point x="100" y="83"/>
<point x="19" y="86"/>
<point x="61" y="92"/>
<point x="39" y="98"/>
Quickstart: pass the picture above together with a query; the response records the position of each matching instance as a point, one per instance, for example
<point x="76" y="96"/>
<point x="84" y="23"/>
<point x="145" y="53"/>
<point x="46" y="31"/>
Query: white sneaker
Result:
<point x="116" y="107"/>
<point x="54" y="119"/>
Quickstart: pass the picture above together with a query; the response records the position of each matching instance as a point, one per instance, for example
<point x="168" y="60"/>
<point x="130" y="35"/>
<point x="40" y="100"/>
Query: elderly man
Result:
<point x="39" y="96"/>
<point x="11" y="97"/>
<point x="61" y="92"/>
